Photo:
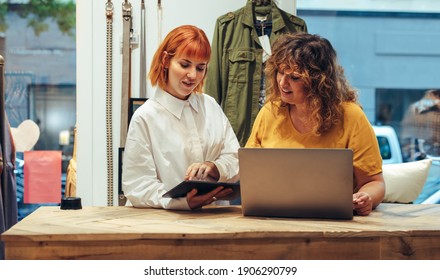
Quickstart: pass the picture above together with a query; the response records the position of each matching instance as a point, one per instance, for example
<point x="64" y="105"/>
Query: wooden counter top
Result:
<point x="392" y="231"/>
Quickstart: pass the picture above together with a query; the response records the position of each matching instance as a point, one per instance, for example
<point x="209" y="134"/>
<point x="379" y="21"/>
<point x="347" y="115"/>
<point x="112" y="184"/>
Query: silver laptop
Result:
<point x="296" y="183"/>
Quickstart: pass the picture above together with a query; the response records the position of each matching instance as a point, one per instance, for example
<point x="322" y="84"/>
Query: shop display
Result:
<point x="42" y="177"/>
<point x="240" y="45"/>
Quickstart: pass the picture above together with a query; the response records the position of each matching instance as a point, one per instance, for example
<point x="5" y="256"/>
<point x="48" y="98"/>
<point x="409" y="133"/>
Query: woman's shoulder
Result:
<point x="354" y="114"/>
<point x="274" y="108"/>
<point x="145" y="110"/>
<point x="144" y="106"/>
<point x="352" y="108"/>
<point x="205" y="97"/>
<point x="207" y="101"/>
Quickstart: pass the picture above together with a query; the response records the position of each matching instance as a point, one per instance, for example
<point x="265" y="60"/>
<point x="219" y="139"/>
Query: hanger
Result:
<point x="261" y="2"/>
<point x="262" y="16"/>
<point x="262" y="9"/>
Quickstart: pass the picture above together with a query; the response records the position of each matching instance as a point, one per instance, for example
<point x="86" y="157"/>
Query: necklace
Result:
<point x="300" y="121"/>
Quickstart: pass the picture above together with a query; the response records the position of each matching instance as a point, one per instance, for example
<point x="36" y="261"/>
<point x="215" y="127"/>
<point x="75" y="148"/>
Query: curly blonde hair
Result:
<point x="314" y="60"/>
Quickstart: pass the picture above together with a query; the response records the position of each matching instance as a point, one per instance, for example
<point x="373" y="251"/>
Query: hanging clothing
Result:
<point x="422" y="121"/>
<point x="234" y="75"/>
<point x="8" y="193"/>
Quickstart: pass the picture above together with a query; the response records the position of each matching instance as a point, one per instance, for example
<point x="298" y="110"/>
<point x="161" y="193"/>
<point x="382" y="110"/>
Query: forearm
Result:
<point x="146" y="193"/>
<point x="375" y="189"/>
<point x="213" y="173"/>
<point x="140" y="181"/>
<point x="227" y="160"/>
<point x="227" y="166"/>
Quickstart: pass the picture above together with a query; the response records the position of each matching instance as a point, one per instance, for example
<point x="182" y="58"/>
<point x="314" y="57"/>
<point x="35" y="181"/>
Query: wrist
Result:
<point x="214" y="173"/>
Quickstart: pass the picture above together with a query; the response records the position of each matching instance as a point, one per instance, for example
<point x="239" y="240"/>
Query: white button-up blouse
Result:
<point x="165" y="136"/>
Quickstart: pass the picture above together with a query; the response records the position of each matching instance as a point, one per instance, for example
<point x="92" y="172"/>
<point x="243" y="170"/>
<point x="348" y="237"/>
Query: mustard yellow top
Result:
<point x="274" y="129"/>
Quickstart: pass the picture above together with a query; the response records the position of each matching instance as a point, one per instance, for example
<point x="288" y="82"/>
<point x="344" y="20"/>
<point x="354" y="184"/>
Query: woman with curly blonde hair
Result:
<point x="310" y="104"/>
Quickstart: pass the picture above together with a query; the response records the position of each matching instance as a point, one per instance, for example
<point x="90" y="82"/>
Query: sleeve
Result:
<point x="254" y="140"/>
<point x="366" y="153"/>
<point x="213" y="84"/>
<point x="227" y="162"/>
<point x="139" y="176"/>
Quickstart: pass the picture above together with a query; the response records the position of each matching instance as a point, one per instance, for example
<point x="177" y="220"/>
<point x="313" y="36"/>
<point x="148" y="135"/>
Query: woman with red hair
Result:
<point x="180" y="133"/>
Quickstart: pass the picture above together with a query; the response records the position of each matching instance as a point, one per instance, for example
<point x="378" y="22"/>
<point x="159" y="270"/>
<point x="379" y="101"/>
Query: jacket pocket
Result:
<point x="239" y="64"/>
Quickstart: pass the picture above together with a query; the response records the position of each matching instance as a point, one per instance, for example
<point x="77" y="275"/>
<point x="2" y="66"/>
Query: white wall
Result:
<point x="91" y="74"/>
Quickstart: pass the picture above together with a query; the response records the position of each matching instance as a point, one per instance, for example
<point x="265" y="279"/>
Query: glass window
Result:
<point x="390" y="52"/>
<point x="37" y="42"/>
<point x="384" y="146"/>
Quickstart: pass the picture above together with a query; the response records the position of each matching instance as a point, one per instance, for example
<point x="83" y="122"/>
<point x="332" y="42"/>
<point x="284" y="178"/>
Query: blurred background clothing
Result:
<point x="422" y="121"/>
<point x="8" y="194"/>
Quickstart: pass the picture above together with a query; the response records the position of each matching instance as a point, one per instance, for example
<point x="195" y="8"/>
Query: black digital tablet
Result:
<point x="203" y="187"/>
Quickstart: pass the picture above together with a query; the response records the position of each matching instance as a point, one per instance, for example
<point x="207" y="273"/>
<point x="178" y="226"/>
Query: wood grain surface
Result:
<point x="392" y="231"/>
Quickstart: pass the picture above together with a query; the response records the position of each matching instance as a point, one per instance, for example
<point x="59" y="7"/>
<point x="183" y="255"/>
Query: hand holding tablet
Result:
<point x="203" y="187"/>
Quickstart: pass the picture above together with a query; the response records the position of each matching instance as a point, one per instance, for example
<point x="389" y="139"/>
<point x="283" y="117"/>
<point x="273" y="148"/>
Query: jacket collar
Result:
<point x="277" y="20"/>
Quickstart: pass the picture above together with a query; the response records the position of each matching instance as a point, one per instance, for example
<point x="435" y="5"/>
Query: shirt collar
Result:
<point x="175" y="105"/>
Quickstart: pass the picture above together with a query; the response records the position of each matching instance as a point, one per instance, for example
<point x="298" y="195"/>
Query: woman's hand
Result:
<point x="362" y="203"/>
<point x="197" y="201"/>
<point x="202" y="171"/>
<point x="370" y="193"/>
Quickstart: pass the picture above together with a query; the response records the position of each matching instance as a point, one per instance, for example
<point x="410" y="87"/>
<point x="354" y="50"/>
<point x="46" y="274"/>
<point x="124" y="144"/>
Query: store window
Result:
<point x="391" y="107"/>
<point x="37" y="42"/>
<point x="390" y="52"/>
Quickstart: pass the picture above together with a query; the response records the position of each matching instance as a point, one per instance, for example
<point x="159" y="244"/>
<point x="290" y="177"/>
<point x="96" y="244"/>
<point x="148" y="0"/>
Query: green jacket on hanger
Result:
<point x="234" y="72"/>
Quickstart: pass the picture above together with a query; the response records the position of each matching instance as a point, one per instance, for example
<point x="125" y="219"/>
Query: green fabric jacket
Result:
<point x="234" y="71"/>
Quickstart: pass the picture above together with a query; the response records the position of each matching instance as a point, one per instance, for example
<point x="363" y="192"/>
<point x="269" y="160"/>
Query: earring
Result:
<point x="165" y="73"/>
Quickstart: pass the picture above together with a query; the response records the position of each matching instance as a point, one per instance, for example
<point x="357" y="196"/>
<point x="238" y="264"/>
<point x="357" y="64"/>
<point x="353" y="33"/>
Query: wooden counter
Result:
<point x="393" y="231"/>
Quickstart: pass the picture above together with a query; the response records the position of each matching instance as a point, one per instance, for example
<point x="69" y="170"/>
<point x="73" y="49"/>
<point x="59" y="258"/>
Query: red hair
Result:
<point x="185" y="40"/>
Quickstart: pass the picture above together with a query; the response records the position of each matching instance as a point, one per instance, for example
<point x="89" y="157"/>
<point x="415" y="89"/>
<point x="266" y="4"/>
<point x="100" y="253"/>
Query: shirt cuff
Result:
<point x="178" y="204"/>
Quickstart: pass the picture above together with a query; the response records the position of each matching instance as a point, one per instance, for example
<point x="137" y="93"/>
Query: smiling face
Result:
<point x="291" y="87"/>
<point x="184" y="74"/>
<point x="185" y="42"/>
